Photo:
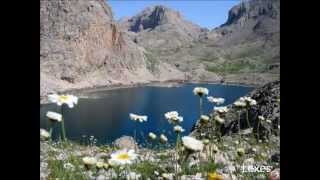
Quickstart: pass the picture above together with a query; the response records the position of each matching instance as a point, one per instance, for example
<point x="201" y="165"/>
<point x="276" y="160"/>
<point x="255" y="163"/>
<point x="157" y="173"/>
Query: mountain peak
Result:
<point x="161" y="7"/>
<point x="253" y="9"/>
<point x="154" y="16"/>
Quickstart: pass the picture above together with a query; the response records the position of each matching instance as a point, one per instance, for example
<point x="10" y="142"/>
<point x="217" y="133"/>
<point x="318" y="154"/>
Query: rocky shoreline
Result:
<point x="169" y="83"/>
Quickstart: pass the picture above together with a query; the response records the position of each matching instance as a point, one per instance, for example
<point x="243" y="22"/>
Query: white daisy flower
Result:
<point x="122" y="157"/>
<point x="239" y="104"/>
<point x="178" y="129"/>
<point x="176" y="120"/>
<point x="156" y="173"/>
<point x="70" y="100"/>
<point x="173" y="117"/>
<point x="269" y="121"/>
<point x="204" y="118"/>
<point x="99" y="164"/>
<point x="163" y="138"/>
<point x="167" y="175"/>
<point x="249" y="101"/>
<point x="217" y="101"/>
<point x="261" y="118"/>
<point x="206" y="141"/>
<point x="44" y="134"/>
<point x="218" y="119"/>
<point x="69" y="166"/>
<point x="152" y="136"/>
<point x="253" y="102"/>
<point x="264" y="155"/>
<point x="192" y="143"/>
<point x="221" y="109"/>
<point x="133" y="176"/>
<point x="54" y="116"/>
<point x="105" y="165"/>
<point x="139" y="118"/>
<point x="171" y="114"/>
<point x="240" y="151"/>
<point x="200" y="91"/>
<point x="89" y="161"/>
<point x="254" y="149"/>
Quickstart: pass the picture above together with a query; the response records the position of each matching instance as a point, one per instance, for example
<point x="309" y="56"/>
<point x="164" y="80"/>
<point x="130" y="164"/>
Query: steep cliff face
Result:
<point x="253" y="10"/>
<point x="251" y="20"/>
<point x="82" y="46"/>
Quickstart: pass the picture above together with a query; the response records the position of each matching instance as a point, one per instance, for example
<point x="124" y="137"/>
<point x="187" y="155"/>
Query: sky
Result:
<point x="206" y="13"/>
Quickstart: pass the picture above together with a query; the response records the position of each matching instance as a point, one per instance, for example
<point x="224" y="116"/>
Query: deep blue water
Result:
<point x="107" y="117"/>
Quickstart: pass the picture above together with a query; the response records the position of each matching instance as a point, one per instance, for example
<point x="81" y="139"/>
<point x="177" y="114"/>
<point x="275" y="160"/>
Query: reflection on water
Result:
<point x="107" y="117"/>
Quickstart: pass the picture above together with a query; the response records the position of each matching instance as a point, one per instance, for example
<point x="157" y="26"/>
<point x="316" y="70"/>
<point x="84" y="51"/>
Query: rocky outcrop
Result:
<point x="82" y="46"/>
<point x="251" y="20"/>
<point x="268" y="106"/>
<point x="161" y="27"/>
<point x="254" y="10"/>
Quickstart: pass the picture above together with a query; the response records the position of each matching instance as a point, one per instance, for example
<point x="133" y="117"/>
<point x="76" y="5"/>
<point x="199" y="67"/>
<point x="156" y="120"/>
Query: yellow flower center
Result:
<point x="123" y="156"/>
<point x="214" y="176"/>
<point x="63" y="98"/>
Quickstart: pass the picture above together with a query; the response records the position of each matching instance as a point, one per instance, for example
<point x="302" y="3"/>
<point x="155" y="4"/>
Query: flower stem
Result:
<point x="177" y="141"/>
<point x="248" y="122"/>
<point x="63" y="131"/>
<point x="212" y="135"/>
<point x="176" y="156"/>
<point x="135" y="135"/>
<point x="247" y="114"/>
<point x="239" y="127"/>
<point x="218" y="131"/>
<point x="258" y="126"/>
<point x="50" y="129"/>
<point x="200" y="106"/>
<point x="186" y="156"/>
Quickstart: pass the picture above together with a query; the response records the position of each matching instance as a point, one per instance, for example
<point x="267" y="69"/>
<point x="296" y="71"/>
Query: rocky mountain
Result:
<point x="251" y="26"/>
<point x="155" y="26"/>
<point x="82" y="46"/>
<point x="246" y="46"/>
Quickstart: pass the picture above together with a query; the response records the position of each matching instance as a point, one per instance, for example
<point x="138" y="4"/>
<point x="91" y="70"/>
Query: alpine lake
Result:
<point x="104" y="114"/>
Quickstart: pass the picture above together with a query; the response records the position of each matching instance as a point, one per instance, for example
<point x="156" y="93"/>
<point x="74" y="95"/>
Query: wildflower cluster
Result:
<point x="54" y="117"/>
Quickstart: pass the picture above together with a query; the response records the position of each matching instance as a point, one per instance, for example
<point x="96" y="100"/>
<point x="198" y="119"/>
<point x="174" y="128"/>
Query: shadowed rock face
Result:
<point x="268" y="106"/>
<point x="252" y="20"/>
<point x="149" y="19"/>
<point x="253" y="10"/>
<point x="78" y="38"/>
<point x="82" y="46"/>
